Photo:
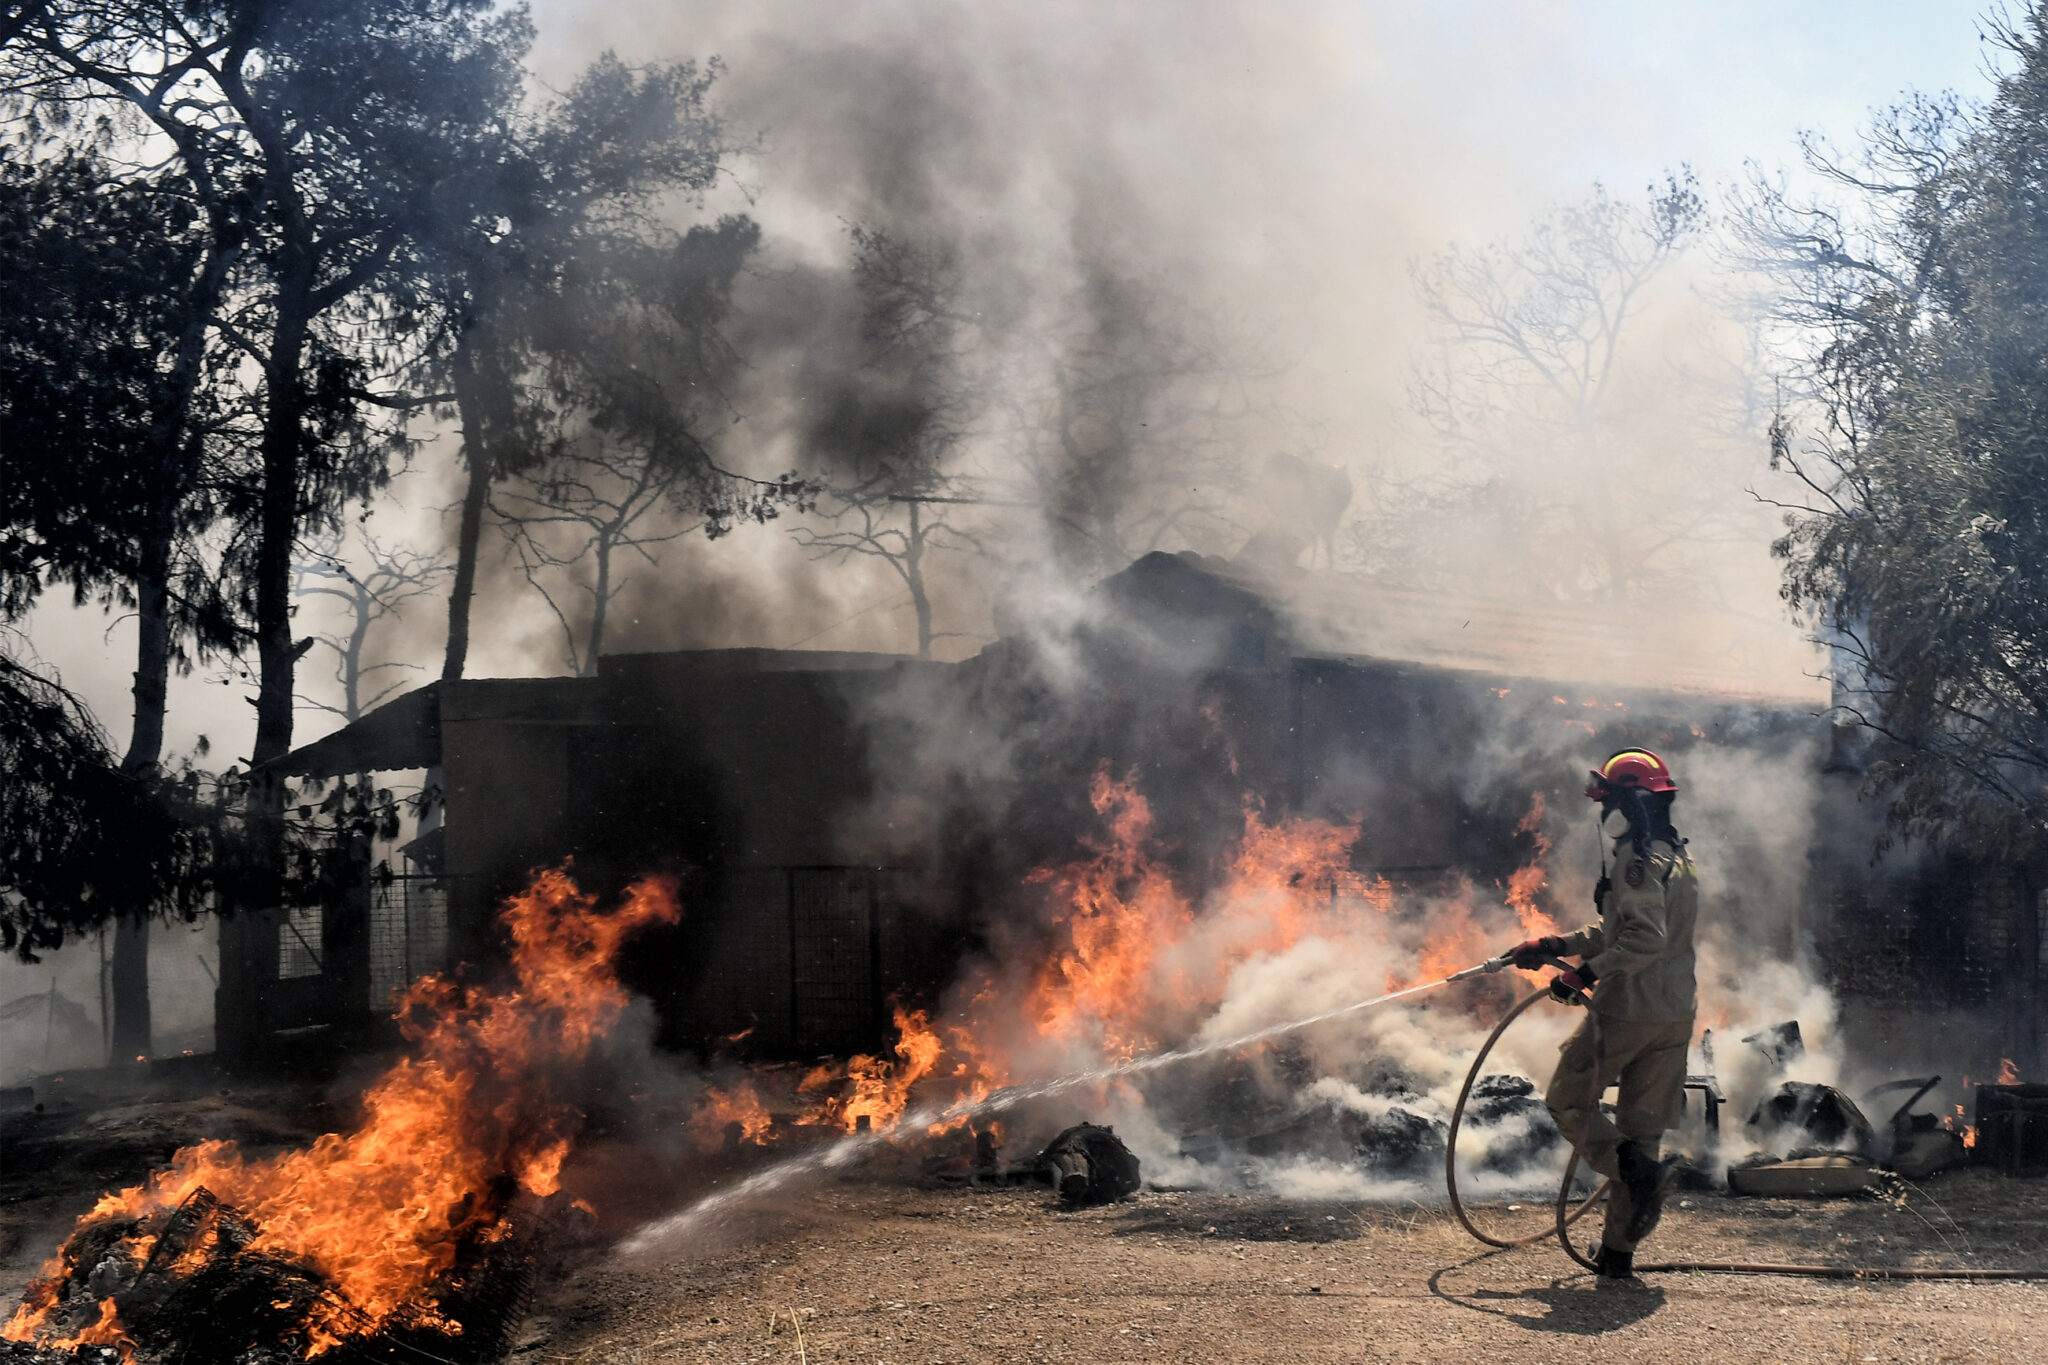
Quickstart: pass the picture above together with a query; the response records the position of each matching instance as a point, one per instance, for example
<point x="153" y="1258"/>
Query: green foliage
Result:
<point x="1924" y="545"/>
<point x="96" y="269"/>
<point x="82" y="837"/>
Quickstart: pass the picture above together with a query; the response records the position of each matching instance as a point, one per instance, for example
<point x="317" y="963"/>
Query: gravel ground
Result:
<point x="880" y="1267"/>
<point x="881" y="1264"/>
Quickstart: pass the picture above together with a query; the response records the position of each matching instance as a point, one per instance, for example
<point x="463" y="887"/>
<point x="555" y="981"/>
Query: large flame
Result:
<point x="1136" y="960"/>
<point x="381" y="1212"/>
<point x="1116" y="907"/>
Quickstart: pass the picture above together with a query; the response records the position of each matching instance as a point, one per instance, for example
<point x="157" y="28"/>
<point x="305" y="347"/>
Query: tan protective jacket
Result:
<point x="1641" y="946"/>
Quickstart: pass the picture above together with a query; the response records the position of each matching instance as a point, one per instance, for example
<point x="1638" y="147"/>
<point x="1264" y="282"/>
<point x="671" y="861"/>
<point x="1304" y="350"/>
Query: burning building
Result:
<point x="850" y="827"/>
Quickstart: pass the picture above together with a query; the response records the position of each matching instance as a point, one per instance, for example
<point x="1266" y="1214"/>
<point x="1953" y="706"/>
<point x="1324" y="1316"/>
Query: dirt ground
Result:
<point x="881" y="1263"/>
<point x="96" y="1132"/>
<point x="887" y="1268"/>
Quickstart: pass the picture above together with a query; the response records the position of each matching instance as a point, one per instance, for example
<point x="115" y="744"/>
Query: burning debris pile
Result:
<point x="1135" y="954"/>
<point x="411" y="1234"/>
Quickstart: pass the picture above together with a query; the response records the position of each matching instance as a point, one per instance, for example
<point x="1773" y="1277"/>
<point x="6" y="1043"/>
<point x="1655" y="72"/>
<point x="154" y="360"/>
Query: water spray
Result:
<point x="846" y="1150"/>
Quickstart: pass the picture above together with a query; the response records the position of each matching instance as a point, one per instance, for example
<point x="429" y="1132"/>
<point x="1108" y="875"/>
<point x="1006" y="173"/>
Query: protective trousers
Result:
<point x="1648" y="1059"/>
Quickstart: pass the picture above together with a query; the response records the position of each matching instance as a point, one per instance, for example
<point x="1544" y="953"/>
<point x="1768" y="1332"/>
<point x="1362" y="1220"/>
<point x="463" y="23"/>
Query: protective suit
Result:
<point x="1640" y="1024"/>
<point x="1638" y="969"/>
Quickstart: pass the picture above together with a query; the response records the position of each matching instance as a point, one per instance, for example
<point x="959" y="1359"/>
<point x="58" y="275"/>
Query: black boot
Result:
<point x="1610" y="1264"/>
<point x="1647" y="1181"/>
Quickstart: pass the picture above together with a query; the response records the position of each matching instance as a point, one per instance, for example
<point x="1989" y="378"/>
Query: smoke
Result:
<point x="1213" y="216"/>
<point x="1174" y="251"/>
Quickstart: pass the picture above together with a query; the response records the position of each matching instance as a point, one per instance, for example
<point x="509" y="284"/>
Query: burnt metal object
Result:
<point x="1780" y="1042"/>
<point x="1814" y="1177"/>
<point x="2012" y="1128"/>
<point x="1089" y="1165"/>
<point x="1921" y="1144"/>
<point x="1820" y="1114"/>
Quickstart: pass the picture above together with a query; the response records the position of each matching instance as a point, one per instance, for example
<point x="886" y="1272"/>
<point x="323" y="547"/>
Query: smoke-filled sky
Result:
<point x="1283" y="163"/>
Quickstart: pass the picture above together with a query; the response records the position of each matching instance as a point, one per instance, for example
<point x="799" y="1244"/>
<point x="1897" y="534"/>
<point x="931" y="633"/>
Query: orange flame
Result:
<point x="2008" y="1074"/>
<point x="877" y="1089"/>
<point x="723" y="1108"/>
<point x="1135" y="961"/>
<point x="1456" y="940"/>
<point x="382" y="1211"/>
<point x="1120" y="906"/>
<point x="1525" y="882"/>
<point x="1959" y="1124"/>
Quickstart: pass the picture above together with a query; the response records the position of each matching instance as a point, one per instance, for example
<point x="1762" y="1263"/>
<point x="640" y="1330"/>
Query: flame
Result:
<point x="723" y="1108"/>
<point x="105" y="1331"/>
<point x="1456" y="940"/>
<point x="876" y="1088"/>
<point x="382" y="1211"/>
<point x="1525" y="882"/>
<point x="1135" y="960"/>
<point x="1119" y="907"/>
<point x="2008" y="1074"/>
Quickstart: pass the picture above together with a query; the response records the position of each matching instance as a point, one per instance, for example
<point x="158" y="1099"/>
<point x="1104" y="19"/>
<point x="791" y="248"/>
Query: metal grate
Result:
<point x="298" y="943"/>
<point x="408" y="935"/>
<point x="832" y="978"/>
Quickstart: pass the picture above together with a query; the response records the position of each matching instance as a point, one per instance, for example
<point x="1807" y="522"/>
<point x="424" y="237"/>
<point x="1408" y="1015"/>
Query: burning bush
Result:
<point x="382" y="1230"/>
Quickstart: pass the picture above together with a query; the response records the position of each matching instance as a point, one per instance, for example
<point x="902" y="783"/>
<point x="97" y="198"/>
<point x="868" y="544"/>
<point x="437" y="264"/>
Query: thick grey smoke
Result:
<point x="1237" y="170"/>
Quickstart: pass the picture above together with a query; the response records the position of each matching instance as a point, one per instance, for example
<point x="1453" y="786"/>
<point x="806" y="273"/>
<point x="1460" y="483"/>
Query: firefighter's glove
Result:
<point x="1573" y="987"/>
<point x="1531" y="954"/>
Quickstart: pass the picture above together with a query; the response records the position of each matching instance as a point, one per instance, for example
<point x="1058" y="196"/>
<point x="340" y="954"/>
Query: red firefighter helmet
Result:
<point x="1630" y="768"/>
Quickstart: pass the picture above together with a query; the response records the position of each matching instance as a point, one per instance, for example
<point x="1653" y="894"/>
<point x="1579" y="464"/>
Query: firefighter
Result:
<point x="1637" y="971"/>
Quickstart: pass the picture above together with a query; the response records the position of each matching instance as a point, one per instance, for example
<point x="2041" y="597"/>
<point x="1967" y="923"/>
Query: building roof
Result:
<point x="1696" y="648"/>
<point x="404" y="732"/>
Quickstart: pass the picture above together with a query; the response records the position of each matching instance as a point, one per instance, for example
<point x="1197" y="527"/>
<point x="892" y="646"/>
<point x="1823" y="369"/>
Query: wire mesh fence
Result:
<point x="408" y="934"/>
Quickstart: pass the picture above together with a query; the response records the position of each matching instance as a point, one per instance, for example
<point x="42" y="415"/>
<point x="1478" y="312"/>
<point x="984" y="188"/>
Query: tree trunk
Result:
<point x="603" y="592"/>
<point x="132" y="1025"/>
<point x="352" y="660"/>
<point x="913" y="575"/>
<point x="469" y="407"/>
<point x="249" y="939"/>
<point x="278" y="525"/>
<point x="130" y="970"/>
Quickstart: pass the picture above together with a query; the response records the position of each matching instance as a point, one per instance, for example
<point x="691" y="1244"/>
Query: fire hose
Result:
<point x="1566" y="1212"/>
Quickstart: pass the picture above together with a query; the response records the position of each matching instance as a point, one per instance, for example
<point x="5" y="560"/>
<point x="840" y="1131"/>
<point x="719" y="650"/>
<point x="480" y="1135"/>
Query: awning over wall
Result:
<point x="404" y="732"/>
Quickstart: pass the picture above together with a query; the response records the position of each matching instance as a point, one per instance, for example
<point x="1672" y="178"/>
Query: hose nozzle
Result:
<point x="1486" y="968"/>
